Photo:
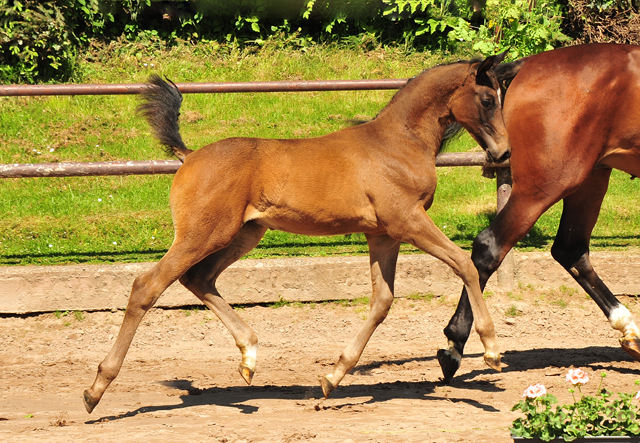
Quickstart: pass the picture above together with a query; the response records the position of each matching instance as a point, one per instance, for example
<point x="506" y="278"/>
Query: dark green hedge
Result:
<point x="40" y="40"/>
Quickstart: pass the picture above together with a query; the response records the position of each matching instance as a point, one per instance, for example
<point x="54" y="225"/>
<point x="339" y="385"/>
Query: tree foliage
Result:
<point x="40" y="40"/>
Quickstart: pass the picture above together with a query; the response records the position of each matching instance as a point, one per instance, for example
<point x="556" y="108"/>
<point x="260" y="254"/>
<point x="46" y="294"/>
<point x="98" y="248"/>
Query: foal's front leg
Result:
<point x="383" y="253"/>
<point x="425" y="235"/>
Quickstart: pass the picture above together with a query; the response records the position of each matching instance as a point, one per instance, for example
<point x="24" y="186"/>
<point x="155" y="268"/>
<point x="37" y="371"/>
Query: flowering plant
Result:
<point x="591" y="415"/>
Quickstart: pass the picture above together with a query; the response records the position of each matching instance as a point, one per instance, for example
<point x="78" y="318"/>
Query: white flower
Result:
<point x="535" y="391"/>
<point x="577" y="376"/>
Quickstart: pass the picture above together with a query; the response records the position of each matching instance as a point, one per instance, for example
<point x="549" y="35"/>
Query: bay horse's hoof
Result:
<point x="449" y="363"/>
<point x="327" y="386"/>
<point x="493" y="362"/>
<point x="89" y="402"/>
<point x="631" y="346"/>
<point x="246" y="372"/>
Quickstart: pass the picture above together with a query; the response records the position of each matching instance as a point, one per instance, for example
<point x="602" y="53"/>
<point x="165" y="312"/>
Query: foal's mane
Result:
<point x="453" y="130"/>
<point x="403" y="89"/>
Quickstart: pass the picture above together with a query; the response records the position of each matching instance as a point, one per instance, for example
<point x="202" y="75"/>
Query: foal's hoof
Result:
<point x="493" y="362"/>
<point x="449" y="363"/>
<point x="246" y="372"/>
<point x="327" y="386"/>
<point x="631" y="346"/>
<point x="89" y="402"/>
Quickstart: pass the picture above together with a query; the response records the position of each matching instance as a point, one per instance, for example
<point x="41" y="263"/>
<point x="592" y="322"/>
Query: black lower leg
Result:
<point x="486" y="258"/>
<point x="579" y="266"/>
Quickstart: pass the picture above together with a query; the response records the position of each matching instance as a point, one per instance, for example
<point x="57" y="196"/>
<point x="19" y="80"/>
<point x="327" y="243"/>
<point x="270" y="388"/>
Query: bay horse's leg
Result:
<point x="201" y="280"/>
<point x="489" y="249"/>
<point x="571" y="250"/>
<point x="383" y="255"/>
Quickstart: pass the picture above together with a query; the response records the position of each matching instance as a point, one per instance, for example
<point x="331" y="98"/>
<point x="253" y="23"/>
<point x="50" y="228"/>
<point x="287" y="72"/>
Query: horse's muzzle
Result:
<point x="503" y="158"/>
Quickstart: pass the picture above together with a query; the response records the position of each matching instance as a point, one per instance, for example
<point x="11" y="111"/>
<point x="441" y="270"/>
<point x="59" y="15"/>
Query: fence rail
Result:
<point x="88" y="169"/>
<point x="206" y="88"/>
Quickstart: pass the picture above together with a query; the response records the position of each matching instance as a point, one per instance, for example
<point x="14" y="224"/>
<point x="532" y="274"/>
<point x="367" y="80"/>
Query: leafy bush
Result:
<point x="524" y="27"/>
<point x="35" y="41"/>
<point x="603" y="21"/>
<point x="39" y="40"/>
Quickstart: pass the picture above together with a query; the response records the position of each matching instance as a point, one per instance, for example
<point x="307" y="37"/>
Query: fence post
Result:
<point x="507" y="269"/>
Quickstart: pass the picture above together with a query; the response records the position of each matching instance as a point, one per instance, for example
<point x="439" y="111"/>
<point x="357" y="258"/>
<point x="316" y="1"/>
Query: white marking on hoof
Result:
<point x="621" y="319"/>
<point x="249" y="356"/>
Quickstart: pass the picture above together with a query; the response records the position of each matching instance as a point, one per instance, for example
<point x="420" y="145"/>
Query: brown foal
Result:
<point x="377" y="178"/>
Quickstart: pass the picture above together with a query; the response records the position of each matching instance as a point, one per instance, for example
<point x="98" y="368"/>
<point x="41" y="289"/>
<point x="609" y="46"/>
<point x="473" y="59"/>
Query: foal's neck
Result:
<point x="423" y="108"/>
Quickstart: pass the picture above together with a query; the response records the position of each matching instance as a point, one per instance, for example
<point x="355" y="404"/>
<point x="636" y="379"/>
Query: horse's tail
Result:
<point x="507" y="71"/>
<point x="161" y="108"/>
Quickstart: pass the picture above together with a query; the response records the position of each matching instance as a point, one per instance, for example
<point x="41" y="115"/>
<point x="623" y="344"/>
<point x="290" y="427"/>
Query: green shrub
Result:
<point x="522" y="26"/>
<point x="39" y="40"/>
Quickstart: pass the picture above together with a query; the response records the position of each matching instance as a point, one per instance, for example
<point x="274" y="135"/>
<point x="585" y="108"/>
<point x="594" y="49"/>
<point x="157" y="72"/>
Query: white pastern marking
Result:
<point x="621" y="319"/>
<point x="455" y="355"/>
<point x="250" y="355"/>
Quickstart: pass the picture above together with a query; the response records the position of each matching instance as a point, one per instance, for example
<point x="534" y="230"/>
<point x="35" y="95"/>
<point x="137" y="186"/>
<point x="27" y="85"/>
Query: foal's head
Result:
<point x="477" y="106"/>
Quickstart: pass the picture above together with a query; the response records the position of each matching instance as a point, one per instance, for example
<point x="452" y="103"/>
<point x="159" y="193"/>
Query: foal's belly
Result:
<point x="319" y="222"/>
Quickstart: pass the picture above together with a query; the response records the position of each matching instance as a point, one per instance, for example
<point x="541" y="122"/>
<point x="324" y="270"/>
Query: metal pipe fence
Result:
<point x="205" y="88"/>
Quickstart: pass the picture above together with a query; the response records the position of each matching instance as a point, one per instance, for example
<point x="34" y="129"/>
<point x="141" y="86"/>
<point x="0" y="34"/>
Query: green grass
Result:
<point x="127" y="219"/>
<point x="512" y="311"/>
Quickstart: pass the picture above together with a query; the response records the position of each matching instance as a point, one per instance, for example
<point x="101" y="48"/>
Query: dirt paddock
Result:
<point x="180" y="382"/>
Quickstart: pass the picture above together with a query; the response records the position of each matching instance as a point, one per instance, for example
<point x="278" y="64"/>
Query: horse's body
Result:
<point x="377" y="178"/>
<point x="571" y="114"/>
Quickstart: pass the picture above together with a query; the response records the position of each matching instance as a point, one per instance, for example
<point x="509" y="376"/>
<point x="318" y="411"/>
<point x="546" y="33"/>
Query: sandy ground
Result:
<point x="180" y="382"/>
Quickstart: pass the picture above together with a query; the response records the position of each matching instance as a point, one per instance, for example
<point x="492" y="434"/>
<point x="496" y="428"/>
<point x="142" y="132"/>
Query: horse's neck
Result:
<point x="422" y="107"/>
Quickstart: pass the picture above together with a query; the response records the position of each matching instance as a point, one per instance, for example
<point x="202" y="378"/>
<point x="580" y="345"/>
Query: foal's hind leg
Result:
<point x="201" y="279"/>
<point x="383" y="254"/>
<point x="146" y="290"/>
<point x="571" y="250"/>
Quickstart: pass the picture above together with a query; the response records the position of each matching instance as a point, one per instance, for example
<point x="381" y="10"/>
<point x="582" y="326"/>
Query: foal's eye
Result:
<point x="487" y="103"/>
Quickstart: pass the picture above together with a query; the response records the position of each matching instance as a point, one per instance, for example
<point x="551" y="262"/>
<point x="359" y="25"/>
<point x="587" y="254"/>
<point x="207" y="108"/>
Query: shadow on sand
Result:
<point x="594" y="357"/>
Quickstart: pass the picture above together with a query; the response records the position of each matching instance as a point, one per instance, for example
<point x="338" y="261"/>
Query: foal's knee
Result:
<point x="380" y="307"/>
<point x="567" y="258"/>
<point x="143" y="295"/>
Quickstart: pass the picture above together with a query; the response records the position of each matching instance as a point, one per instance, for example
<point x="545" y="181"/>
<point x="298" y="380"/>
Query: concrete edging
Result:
<point x="31" y="289"/>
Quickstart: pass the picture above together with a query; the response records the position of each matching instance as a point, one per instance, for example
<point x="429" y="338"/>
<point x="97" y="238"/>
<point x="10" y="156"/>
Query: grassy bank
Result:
<point x="98" y="219"/>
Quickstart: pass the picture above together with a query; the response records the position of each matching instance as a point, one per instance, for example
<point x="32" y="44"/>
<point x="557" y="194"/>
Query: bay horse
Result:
<point x="572" y="114"/>
<point x="377" y="178"/>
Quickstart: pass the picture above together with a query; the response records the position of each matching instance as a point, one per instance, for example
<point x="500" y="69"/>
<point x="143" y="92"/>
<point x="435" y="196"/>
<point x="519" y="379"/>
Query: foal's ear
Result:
<point x="490" y="63"/>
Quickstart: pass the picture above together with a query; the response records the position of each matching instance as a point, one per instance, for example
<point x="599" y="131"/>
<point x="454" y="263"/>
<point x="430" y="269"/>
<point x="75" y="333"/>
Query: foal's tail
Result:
<point x="161" y="108"/>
